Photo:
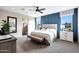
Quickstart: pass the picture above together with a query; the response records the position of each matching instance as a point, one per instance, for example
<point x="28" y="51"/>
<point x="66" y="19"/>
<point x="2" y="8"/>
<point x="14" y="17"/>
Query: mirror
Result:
<point x="13" y="24"/>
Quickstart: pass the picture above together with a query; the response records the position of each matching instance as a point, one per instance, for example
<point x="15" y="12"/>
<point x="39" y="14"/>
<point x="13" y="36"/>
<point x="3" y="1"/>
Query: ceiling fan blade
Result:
<point x="42" y="9"/>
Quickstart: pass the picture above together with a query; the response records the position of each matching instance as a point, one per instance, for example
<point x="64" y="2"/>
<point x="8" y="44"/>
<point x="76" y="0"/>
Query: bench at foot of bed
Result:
<point x="39" y="39"/>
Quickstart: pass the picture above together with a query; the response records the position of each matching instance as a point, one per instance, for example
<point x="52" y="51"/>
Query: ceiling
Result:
<point x="30" y="10"/>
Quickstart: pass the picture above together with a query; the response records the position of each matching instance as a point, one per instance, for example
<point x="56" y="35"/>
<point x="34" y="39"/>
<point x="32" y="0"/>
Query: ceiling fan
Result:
<point x="39" y="10"/>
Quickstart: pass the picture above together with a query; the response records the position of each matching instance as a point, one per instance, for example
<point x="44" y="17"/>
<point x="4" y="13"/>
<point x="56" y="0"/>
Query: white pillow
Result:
<point x="52" y="30"/>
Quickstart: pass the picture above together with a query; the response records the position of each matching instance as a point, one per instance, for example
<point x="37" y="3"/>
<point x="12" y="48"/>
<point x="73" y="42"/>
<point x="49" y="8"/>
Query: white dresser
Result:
<point x="66" y="35"/>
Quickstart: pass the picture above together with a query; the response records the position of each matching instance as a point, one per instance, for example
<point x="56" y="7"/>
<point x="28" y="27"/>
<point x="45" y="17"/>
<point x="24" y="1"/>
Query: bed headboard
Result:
<point x="51" y="26"/>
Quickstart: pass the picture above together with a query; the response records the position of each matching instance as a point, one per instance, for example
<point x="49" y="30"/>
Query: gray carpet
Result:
<point x="25" y="45"/>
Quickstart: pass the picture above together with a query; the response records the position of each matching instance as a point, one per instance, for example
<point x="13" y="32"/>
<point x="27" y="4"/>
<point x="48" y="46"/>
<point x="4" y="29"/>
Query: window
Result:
<point x="66" y="22"/>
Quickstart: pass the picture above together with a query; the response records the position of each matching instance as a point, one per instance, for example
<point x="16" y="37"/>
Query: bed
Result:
<point x="46" y="35"/>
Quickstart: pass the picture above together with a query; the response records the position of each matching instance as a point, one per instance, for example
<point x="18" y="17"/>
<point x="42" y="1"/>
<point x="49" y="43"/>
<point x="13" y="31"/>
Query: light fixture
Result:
<point x="13" y="8"/>
<point x="22" y="9"/>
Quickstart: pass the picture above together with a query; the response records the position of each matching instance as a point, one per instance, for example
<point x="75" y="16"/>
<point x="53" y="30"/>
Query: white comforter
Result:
<point x="48" y="35"/>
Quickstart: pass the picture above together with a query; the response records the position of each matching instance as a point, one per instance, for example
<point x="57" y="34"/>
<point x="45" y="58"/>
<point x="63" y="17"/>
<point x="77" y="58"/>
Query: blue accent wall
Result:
<point x="75" y="25"/>
<point x="52" y="19"/>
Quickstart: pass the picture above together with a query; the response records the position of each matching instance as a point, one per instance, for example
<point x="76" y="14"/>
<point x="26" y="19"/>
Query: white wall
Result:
<point x="20" y="20"/>
<point x="31" y="25"/>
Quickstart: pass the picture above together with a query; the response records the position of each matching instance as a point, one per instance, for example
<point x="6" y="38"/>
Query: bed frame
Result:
<point x="42" y="40"/>
<point x="51" y="26"/>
